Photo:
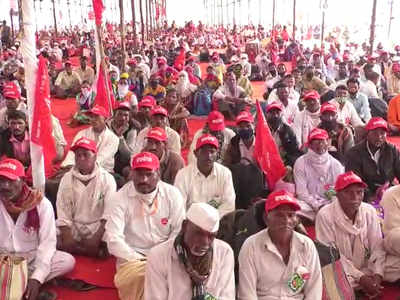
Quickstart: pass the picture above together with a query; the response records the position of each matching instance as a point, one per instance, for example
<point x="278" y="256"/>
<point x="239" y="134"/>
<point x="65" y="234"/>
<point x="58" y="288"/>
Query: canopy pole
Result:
<point x="372" y="35"/>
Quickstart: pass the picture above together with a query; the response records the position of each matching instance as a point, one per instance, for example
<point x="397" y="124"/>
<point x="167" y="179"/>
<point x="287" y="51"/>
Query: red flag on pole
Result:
<point x="266" y="152"/>
<point x="101" y="94"/>
<point x="180" y="60"/>
<point x="98" y="9"/>
<point x="42" y="126"/>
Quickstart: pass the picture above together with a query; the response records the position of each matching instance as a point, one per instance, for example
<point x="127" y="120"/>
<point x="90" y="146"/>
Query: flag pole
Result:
<point x="122" y="30"/>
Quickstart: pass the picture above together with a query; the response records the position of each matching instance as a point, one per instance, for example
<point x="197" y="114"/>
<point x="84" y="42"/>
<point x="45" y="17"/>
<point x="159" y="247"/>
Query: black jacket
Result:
<point x="359" y="161"/>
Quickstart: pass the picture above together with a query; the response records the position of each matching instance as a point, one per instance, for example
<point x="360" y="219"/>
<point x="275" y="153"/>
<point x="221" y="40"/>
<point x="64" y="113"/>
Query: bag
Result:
<point x="335" y="283"/>
<point x="13" y="277"/>
<point x="202" y="103"/>
<point x="378" y="108"/>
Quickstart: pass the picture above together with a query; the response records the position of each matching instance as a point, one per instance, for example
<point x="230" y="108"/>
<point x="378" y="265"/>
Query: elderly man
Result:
<point x="307" y="119"/>
<point x="13" y="101"/>
<point x="375" y="160"/>
<point x="107" y="142"/>
<point x="81" y="200"/>
<point x="195" y="265"/>
<point x="159" y="118"/>
<point x="277" y="262"/>
<point x="85" y="72"/>
<point x="170" y="162"/>
<point x="312" y="82"/>
<point x="215" y="126"/>
<point x="155" y="89"/>
<point x="28" y="229"/>
<point x="145" y="213"/>
<point x="124" y="94"/>
<point x="353" y="227"/>
<point x="206" y="180"/>
<point x="315" y="174"/>
<point x="68" y="82"/>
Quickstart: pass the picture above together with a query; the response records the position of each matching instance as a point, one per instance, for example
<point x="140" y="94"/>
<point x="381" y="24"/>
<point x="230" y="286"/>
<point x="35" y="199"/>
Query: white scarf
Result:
<point x="123" y="90"/>
<point x="149" y="201"/>
<point x="309" y="122"/>
<point x="183" y="86"/>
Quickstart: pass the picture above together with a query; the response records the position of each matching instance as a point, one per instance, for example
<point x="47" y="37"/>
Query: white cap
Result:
<point x="204" y="215"/>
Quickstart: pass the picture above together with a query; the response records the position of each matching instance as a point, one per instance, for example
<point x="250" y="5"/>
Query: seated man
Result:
<point x="358" y="99"/>
<point x="307" y="119"/>
<point x="159" y="118"/>
<point x="29" y="229"/>
<point x="195" y="264"/>
<point x="231" y="97"/>
<point x="124" y="94"/>
<point x="206" y="180"/>
<point x="315" y="174"/>
<point x="272" y="260"/>
<point x="145" y="213"/>
<point x="311" y="82"/>
<point x="107" y="142"/>
<point x="145" y="107"/>
<point x="170" y="162"/>
<point x="155" y="89"/>
<point x="242" y="80"/>
<point x="289" y="108"/>
<point x="353" y="227"/>
<point x="242" y="144"/>
<point x="68" y="83"/>
<point x="85" y="72"/>
<point x="85" y="100"/>
<point x="81" y="200"/>
<point x="391" y="231"/>
<point x="375" y="160"/>
<point x="283" y="134"/>
<point x="13" y="101"/>
<point x="215" y="126"/>
<point x="341" y="137"/>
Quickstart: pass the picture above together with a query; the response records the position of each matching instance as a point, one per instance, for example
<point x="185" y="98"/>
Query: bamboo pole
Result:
<point x="122" y="30"/>
<point x="372" y="32"/>
<point x="151" y="15"/>
<point x="294" y="21"/>
<point x="54" y="18"/>
<point x="390" y="18"/>
<point x="134" y="24"/>
<point x="273" y="15"/>
<point x="141" y="20"/>
<point x="146" y="2"/>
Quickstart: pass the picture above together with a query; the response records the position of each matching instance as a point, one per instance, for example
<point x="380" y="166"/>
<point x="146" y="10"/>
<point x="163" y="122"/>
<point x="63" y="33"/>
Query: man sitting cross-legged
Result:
<point x="82" y="196"/>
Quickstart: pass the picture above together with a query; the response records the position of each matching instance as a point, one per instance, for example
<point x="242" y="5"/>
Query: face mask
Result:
<point x="123" y="90"/>
<point x="246" y="133"/>
<point x="86" y="92"/>
<point x="341" y="100"/>
<point x="113" y="78"/>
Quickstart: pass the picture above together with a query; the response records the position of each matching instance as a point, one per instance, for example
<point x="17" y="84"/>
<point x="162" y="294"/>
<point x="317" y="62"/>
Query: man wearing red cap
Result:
<point x="13" y="101"/>
<point x="375" y="160"/>
<point x="307" y="119"/>
<point x="145" y="213"/>
<point x="315" y="174"/>
<point x="206" y="180"/>
<point x="82" y="197"/>
<point x="28" y="229"/>
<point x="277" y="262"/>
<point x="107" y="142"/>
<point x="159" y="118"/>
<point x="68" y="83"/>
<point x="170" y="162"/>
<point x="215" y="126"/>
<point x="353" y="227"/>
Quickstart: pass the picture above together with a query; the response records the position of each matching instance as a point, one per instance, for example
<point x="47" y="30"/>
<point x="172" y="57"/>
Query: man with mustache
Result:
<point x="353" y="227"/>
<point x="145" y="213"/>
<point x="375" y="160"/>
<point x="28" y="229"/>
<point x="277" y="262"/>
<point x="206" y="180"/>
<point x="194" y="265"/>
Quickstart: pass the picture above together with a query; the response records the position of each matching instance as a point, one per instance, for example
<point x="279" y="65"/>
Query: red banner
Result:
<point x="101" y="95"/>
<point x="98" y="8"/>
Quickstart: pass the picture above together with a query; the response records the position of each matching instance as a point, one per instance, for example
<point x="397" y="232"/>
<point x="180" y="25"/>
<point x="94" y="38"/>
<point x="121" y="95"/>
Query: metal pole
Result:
<point x="294" y="20"/>
<point x="248" y="11"/>
<point x="122" y="30"/>
<point x="234" y="13"/>
<point x="54" y="17"/>
<point x="324" y="8"/>
<point x="372" y="36"/>
<point x="134" y="24"/>
<point x="141" y="20"/>
<point x="259" y="12"/>
<point x="12" y="25"/>
<point x="273" y="15"/>
<point x="390" y="18"/>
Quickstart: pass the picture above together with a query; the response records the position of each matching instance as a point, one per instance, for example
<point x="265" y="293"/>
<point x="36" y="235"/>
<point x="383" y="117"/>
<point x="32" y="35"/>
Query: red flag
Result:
<point x="266" y="152"/>
<point x="98" y="9"/>
<point x="101" y="94"/>
<point x="180" y="60"/>
<point x="42" y="126"/>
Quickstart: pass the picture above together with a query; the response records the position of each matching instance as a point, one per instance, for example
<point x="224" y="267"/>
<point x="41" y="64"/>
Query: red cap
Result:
<point x="207" y="139"/>
<point x="328" y="107"/>
<point x="157" y="133"/>
<point x="346" y="179"/>
<point x="99" y="111"/>
<point x="68" y="62"/>
<point x="159" y="110"/>
<point x="145" y="160"/>
<point x="274" y="105"/>
<point x="123" y="105"/>
<point x="244" y="116"/>
<point x="215" y="54"/>
<point x="11" y="169"/>
<point x="376" y="122"/>
<point x="161" y="60"/>
<point x="397" y="47"/>
<point x="396" y="67"/>
<point x="216" y="121"/>
<point x="132" y="61"/>
<point x="10" y="91"/>
<point x="147" y="101"/>
<point x="278" y="198"/>
<point x="311" y="95"/>
<point x="85" y="143"/>
<point x="317" y="134"/>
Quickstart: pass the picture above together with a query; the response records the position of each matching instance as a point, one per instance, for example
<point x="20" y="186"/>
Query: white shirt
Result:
<point x="216" y="189"/>
<point x="348" y="114"/>
<point x="294" y="96"/>
<point x="369" y="89"/>
<point x="37" y="247"/>
<point x="263" y="275"/>
<point x="167" y="279"/>
<point x="131" y="231"/>
<point x="173" y="140"/>
<point x="107" y="147"/>
<point x="304" y="122"/>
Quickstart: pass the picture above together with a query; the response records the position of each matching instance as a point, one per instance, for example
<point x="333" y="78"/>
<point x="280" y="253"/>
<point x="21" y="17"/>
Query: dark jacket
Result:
<point x="359" y="161"/>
